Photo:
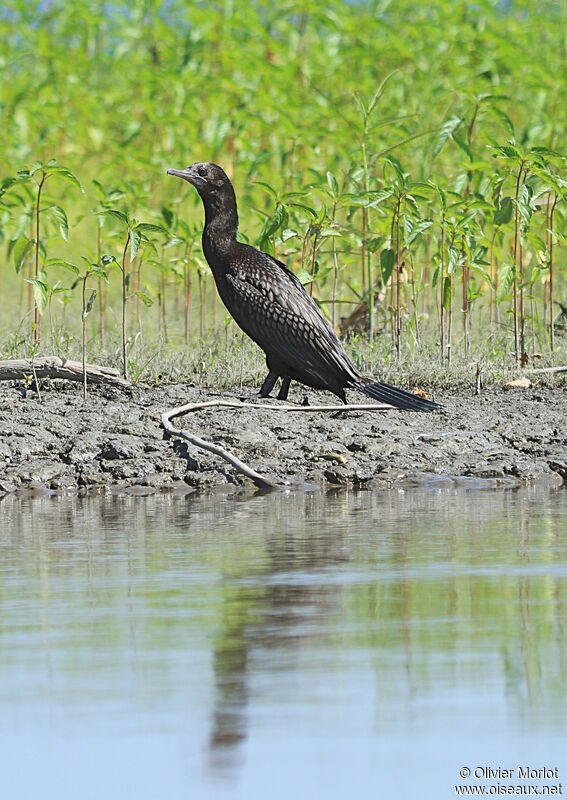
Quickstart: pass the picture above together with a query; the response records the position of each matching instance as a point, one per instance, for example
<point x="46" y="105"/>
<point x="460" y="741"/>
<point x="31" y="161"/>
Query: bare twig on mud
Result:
<point x="548" y="370"/>
<point x="62" y="368"/>
<point x="260" y="480"/>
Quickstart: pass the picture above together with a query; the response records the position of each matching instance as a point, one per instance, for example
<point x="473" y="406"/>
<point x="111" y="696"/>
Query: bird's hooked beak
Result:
<point x="190" y="175"/>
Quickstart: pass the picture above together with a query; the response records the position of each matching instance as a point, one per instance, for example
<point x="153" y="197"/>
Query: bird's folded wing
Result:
<point x="285" y="320"/>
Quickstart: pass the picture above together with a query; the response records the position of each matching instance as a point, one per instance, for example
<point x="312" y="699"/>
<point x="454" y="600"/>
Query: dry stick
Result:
<point x="548" y="370"/>
<point x="55" y="367"/>
<point x="240" y="466"/>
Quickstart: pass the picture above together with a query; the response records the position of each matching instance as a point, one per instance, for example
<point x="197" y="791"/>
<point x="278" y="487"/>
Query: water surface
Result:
<point x="288" y="645"/>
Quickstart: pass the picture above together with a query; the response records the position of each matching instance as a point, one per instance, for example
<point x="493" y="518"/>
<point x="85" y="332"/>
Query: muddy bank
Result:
<point x="114" y="442"/>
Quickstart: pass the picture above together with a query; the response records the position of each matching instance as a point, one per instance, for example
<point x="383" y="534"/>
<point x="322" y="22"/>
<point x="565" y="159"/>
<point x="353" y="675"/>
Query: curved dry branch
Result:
<point x="55" y="367"/>
<point x="260" y="480"/>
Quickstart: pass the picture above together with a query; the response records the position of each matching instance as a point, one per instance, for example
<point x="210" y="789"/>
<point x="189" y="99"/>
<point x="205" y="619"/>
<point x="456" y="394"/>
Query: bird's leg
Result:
<point x="284" y="388"/>
<point x="268" y="384"/>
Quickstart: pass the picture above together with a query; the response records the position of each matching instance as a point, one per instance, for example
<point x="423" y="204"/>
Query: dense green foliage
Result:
<point x="406" y="159"/>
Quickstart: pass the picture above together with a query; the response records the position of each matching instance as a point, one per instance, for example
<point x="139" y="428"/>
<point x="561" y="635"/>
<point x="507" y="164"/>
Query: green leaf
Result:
<point x="446" y="133"/>
<point x="277" y="221"/>
<point x="481" y="271"/>
<point x="387" y="263"/>
<point x="504" y="119"/>
<point x="505" y="280"/>
<point x="333" y="184"/>
<point x="99" y="189"/>
<point x="89" y="304"/>
<point x="417" y="230"/>
<point x="119" y="215"/>
<point x="146" y="300"/>
<point x="6" y="184"/>
<point x="311" y="211"/>
<point x="58" y="262"/>
<point x="22" y="247"/>
<point x="504" y="213"/>
<point x="147" y="227"/>
<point x="107" y="259"/>
<point x="373" y="199"/>
<point x="463" y="145"/>
<point x="454" y="259"/>
<point x="99" y="272"/>
<point x="40" y="293"/>
<point x="508" y="151"/>
<point x="170" y="218"/>
<point x="267" y="187"/>
<point x="135" y="241"/>
<point x="545" y="151"/>
<point x="288" y="234"/>
<point x="60" y="218"/>
<point x="304" y="276"/>
<point x="63" y="172"/>
<point x="446" y="293"/>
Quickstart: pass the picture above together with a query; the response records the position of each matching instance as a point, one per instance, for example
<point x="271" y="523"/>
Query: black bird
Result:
<point x="270" y="304"/>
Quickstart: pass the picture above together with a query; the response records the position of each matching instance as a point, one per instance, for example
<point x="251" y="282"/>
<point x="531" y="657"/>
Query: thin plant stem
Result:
<point x="398" y="279"/>
<point x="101" y="299"/>
<point x="516" y="240"/>
<point x="36" y="316"/>
<point x="442" y="292"/>
<point x="124" y="299"/>
<point x="335" y="272"/>
<point x="84" y="339"/>
<point x="551" y="298"/>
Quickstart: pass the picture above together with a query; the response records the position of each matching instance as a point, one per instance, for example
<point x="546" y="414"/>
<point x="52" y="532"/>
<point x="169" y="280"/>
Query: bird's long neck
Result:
<point x="221" y="223"/>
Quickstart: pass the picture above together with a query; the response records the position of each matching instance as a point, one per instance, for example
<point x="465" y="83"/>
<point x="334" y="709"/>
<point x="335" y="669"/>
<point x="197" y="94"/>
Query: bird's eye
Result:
<point x="202" y="171"/>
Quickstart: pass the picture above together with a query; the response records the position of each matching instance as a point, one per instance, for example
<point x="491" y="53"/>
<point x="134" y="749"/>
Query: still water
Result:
<point x="284" y="646"/>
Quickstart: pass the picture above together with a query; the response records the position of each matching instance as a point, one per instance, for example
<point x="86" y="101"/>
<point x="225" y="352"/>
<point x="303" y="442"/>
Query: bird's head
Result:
<point x="209" y="179"/>
<point x="217" y="194"/>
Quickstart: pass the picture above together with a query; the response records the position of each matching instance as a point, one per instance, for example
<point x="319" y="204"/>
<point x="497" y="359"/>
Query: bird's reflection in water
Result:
<point x="230" y="714"/>
<point x="264" y="621"/>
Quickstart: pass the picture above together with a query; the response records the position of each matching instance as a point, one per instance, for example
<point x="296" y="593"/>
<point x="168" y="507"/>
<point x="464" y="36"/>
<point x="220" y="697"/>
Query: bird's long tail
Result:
<point x="395" y="397"/>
